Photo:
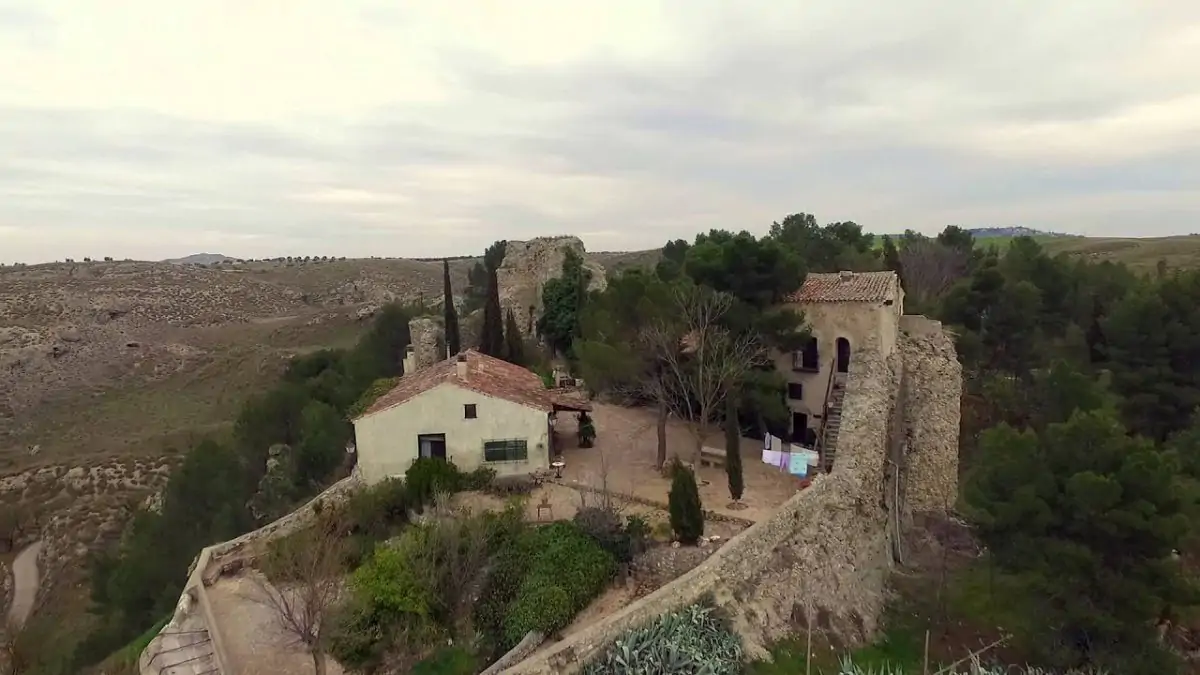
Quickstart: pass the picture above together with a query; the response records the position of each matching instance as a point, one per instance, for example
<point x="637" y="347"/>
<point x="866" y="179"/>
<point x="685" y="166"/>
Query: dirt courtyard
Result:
<point x="626" y="443"/>
<point x="254" y="639"/>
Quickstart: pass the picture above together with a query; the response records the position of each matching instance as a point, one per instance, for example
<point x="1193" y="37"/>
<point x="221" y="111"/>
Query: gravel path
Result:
<point x="25" y="583"/>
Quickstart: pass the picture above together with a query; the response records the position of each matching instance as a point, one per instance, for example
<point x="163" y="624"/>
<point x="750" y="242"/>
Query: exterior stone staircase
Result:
<point x="833" y="421"/>
<point x="187" y="652"/>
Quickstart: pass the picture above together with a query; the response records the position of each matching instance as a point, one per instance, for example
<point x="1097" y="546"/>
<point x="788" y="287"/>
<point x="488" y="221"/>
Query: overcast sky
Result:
<point x="156" y="128"/>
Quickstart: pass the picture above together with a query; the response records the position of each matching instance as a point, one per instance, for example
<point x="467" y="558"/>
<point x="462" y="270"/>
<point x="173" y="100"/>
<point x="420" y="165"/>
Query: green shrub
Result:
<point x="545" y="609"/>
<point x="427" y="476"/>
<point x="372" y="515"/>
<point x="479" y="479"/>
<point x="604" y="525"/>
<point x="499" y="590"/>
<point x="692" y="640"/>
<point x="354" y="637"/>
<point x="367" y="399"/>
<point x="561" y="555"/>
<point x="687" y="513"/>
<point x="638" y="530"/>
<point x="453" y="660"/>
<point x="387" y="588"/>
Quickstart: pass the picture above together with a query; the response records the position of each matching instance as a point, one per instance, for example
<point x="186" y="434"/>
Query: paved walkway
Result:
<point x="25" y="583"/>
<point x="254" y="641"/>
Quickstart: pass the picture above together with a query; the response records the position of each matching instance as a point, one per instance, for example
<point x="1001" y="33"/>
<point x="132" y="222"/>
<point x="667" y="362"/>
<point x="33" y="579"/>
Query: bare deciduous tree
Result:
<point x="701" y="361"/>
<point x="929" y="267"/>
<point x="302" y="582"/>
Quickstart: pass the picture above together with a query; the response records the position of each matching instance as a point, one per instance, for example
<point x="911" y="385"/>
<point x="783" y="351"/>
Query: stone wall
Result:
<point x="933" y="397"/>
<point x="820" y="557"/>
<point x="526" y="268"/>
<point x="428" y="335"/>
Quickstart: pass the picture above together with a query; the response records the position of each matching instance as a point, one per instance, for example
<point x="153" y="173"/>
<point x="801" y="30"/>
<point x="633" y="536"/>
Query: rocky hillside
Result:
<point x="75" y="335"/>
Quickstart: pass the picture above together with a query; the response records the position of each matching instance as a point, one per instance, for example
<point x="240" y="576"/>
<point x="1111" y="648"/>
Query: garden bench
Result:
<point x="712" y="457"/>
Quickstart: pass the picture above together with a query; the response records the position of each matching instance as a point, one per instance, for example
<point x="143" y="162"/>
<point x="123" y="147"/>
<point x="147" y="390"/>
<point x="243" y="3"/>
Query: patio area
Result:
<point x="625" y="448"/>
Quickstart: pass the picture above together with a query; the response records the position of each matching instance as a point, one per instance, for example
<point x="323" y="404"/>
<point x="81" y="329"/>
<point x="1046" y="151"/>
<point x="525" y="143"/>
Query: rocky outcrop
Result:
<point x="528" y="265"/>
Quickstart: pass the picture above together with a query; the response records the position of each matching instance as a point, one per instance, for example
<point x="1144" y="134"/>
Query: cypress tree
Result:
<point x="687" y="513"/>
<point x="514" y="345"/>
<point x="453" y="340"/>
<point x="891" y="257"/>
<point x="491" y="338"/>
<point x="733" y="451"/>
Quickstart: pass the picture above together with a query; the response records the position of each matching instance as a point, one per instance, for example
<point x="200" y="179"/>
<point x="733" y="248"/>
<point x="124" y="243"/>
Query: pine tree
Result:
<point x="733" y="451"/>
<point x="891" y="258"/>
<point x="687" y="513"/>
<point x="514" y="344"/>
<point x="491" y="338"/>
<point x="453" y="340"/>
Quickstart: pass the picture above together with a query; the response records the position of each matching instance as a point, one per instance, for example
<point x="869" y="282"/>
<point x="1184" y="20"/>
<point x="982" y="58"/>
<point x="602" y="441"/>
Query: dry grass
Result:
<point x="1140" y="254"/>
<point x="156" y="417"/>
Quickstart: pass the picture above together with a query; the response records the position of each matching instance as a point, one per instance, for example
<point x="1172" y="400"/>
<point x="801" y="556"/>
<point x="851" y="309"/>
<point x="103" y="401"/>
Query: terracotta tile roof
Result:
<point x="847" y="287"/>
<point x="487" y="375"/>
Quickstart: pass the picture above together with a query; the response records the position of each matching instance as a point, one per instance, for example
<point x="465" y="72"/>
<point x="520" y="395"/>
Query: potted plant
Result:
<point x="587" y="431"/>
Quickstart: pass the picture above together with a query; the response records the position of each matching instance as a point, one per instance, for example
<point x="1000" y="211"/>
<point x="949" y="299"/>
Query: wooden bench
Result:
<point x="712" y="457"/>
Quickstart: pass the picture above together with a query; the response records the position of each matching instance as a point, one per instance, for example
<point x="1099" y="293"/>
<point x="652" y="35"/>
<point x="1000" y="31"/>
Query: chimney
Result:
<point x="461" y="366"/>
<point x="410" y="360"/>
<point x="846" y="275"/>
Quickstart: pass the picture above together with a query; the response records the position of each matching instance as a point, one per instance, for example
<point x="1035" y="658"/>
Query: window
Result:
<point x="514" y="450"/>
<point x="431" y="445"/>
<point x="807" y="358"/>
<point x="795" y="391"/>
<point x="469" y="411"/>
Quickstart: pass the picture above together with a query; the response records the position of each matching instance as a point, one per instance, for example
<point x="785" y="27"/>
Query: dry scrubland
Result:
<point x="110" y="369"/>
<point x="1140" y="254"/>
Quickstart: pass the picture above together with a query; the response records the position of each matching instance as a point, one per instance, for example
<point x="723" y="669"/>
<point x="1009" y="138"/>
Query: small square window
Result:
<point x="795" y="391"/>
<point x="469" y="411"/>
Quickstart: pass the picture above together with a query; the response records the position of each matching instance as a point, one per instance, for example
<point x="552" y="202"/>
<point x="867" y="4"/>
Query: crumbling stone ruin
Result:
<point x="428" y="344"/>
<point x="528" y="265"/>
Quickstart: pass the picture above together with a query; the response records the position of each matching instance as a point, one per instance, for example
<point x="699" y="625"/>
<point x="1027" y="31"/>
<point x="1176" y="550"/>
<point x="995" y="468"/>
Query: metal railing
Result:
<point x="820" y="445"/>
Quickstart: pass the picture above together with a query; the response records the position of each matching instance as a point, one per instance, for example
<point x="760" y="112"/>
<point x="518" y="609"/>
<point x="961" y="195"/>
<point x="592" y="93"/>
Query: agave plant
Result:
<point x="973" y="667"/>
<point x="692" y="641"/>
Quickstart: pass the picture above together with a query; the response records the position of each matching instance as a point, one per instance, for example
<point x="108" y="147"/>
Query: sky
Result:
<point x="159" y="128"/>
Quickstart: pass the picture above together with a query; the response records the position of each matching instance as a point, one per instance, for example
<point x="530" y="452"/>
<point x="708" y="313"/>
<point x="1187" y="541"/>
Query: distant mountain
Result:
<point x="985" y="232"/>
<point x="200" y="259"/>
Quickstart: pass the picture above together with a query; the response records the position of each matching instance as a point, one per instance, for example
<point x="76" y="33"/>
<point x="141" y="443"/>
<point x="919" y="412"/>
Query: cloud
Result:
<point x="418" y="129"/>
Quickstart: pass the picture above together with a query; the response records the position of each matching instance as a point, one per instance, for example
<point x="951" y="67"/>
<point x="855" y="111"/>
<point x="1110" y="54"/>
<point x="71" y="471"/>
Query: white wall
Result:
<point x="860" y="323"/>
<point x="387" y="440"/>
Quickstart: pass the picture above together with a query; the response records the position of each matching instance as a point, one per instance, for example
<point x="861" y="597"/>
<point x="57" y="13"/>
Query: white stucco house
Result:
<point x="846" y="312"/>
<point x="472" y="409"/>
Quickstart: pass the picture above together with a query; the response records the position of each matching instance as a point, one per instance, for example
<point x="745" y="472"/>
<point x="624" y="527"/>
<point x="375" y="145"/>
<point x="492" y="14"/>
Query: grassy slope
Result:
<point x="1140" y="254"/>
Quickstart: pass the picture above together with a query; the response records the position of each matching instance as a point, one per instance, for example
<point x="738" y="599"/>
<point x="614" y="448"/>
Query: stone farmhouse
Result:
<point x="844" y="311"/>
<point x="472" y="409"/>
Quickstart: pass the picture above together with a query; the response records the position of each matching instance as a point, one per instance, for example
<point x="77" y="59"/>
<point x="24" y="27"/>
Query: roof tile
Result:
<point x="847" y="287"/>
<point x="485" y="374"/>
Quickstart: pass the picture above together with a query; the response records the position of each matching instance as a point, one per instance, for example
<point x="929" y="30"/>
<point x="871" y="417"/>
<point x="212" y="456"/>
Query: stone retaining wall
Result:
<point x="820" y="557"/>
<point x="933" y="399"/>
<point x="194" y="613"/>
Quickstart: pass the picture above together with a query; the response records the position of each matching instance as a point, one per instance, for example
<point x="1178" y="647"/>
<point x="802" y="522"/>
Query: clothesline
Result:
<point x="793" y="458"/>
